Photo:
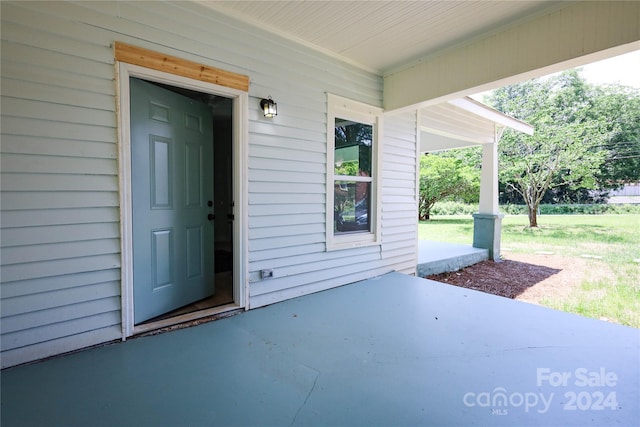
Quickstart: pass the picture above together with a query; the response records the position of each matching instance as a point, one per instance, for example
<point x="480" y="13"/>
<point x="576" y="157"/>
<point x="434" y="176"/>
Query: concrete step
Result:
<point x="438" y="257"/>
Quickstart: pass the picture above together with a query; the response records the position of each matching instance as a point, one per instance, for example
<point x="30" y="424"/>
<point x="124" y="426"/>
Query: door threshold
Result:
<point x="189" y="319"/>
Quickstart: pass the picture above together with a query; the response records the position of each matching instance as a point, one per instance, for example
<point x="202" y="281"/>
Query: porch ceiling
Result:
<point x="381" y="36"/>
<point x="434" y="51"/>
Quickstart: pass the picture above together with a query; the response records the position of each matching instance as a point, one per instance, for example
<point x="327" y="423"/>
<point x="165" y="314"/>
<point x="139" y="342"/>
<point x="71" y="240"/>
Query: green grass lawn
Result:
<point x="609" y="242"/>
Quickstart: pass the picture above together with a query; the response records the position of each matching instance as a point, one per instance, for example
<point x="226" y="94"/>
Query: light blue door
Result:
<point x="172" y="199"/>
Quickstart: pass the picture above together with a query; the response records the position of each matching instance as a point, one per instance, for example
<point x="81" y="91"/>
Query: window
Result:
<point x="352" y="173"/>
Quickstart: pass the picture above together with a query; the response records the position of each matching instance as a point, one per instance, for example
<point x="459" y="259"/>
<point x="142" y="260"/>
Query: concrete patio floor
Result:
<point x="441" y="257"/>
<point x="392" y="351"/>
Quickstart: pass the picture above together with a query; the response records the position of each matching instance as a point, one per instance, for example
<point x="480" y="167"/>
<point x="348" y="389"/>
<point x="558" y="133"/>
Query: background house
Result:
<point x="69" y="174"/>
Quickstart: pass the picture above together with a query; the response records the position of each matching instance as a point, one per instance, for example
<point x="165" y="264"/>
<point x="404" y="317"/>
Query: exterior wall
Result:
<point x="60" y="216"/>
<point x="401" y="165"/>
<point x="627" y="190"/>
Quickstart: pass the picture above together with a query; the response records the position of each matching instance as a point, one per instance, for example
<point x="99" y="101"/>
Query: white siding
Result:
<point x="60" y="232"/>
<point x="60" y="216"/>
<point x="399" y="192"/>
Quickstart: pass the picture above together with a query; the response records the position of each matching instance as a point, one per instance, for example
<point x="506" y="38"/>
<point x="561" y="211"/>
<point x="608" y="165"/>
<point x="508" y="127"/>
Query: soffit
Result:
<point x="463" y="122"/>
<point x="380" y="36"/>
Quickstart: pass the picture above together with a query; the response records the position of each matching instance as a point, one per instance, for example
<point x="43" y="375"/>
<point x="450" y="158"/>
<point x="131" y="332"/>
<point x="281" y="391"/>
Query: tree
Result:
<point x="443" y="177"/>
<point x="618" y="108"/>
<point x="470" y="167"/>
<point x="564" y="149"/>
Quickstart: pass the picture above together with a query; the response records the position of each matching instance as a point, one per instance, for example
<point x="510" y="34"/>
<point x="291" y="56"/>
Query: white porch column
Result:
<point x="489" y="179"/>
<point x="487" y="223"/>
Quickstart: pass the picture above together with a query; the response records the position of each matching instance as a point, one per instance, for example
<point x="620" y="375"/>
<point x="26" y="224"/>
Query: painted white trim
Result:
<point x="452" y="135"/>
<point x="345" y="108"/>
<point x="240" y="161"/>
<point x="484" y="111"/>
<point x="124" y="182"/>
<point x="488" y="202"/>
<point x="418" y="132"/>
<point x="241" y="200"/>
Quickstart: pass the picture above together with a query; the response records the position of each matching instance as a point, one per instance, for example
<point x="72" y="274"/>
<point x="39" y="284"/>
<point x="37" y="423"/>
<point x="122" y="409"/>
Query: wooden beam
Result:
<point x="181" y="67"/>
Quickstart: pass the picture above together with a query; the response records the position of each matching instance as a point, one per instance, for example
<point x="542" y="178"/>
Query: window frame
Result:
<point x="344" y="108"/>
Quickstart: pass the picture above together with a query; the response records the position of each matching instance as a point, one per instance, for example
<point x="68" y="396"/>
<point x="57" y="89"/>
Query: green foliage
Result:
<point x="573" y="209"/>
<point x="471" y="161"/>
<point x="442" y="178"/>
<point x="601" y="300"/>
<point x="450" y="208"/>
<point x="454" y="208"/>
<point x="618" y="111"/>
<point x="347" y="168"/>
<point x="561" y="152"/>
<point x="613" y="238"/>
<point x="587" y="140"/>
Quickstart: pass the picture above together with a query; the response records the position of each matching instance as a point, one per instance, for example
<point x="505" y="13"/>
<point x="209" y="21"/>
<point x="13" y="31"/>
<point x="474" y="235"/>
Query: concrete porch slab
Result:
<point x="441" y="257"/>
<point x="392" y="351"/>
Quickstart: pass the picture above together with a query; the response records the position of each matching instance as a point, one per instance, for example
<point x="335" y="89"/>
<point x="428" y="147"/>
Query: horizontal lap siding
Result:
<point x="399" y="193"/>
<point x="60" y="207"/>
<point x="287" y="179"/>
<point x="299" y="262"/>
<point x="60" y="220"/>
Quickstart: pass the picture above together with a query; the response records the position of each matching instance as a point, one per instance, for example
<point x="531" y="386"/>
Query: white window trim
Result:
<point x="345" y="108"/>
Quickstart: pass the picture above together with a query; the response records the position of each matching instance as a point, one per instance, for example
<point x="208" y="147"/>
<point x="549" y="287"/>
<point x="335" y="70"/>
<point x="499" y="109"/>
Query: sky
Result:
<point x="623" y="69"/>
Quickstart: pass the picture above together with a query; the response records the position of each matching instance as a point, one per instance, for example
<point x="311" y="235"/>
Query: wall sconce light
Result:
<point x="269" y="107"/>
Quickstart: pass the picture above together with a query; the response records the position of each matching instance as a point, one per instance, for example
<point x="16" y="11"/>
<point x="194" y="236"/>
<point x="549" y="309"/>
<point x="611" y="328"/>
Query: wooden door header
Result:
<point x="181" y="67"/>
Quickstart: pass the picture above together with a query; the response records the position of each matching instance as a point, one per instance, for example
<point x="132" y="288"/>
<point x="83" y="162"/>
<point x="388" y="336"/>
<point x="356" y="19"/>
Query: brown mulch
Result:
<point x="507" y="278"/>
<point x="526" y="277"/>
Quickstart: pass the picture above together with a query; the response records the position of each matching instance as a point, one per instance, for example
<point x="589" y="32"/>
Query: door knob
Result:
<point x="211" y="217"/>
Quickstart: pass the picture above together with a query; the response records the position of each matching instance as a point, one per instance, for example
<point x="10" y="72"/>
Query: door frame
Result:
<point x="240" y="210"/>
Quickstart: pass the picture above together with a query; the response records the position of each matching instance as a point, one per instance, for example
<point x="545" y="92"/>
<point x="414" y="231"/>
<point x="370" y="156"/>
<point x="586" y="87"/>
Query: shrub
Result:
<point x="453" y="208"/>
<point x="457" y="208"/>
<point x="574" y="209"/>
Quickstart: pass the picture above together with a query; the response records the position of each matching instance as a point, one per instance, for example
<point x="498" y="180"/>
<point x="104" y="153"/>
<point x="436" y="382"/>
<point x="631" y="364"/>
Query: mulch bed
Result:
<point x="507" y="278"/>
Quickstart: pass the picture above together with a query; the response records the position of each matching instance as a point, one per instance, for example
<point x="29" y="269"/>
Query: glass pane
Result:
<point x="352" y="201"/>
<point x="353" y="143"/>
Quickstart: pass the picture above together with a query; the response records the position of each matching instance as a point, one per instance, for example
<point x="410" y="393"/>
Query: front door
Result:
<point x="172" y="200"/>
